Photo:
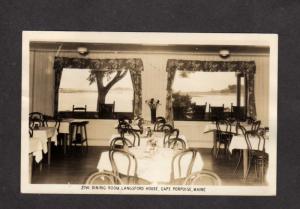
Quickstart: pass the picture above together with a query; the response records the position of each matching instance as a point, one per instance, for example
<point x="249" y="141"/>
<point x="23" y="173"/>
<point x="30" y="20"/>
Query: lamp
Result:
<point x="224" y="53"/>
<point x="82" y="50"/>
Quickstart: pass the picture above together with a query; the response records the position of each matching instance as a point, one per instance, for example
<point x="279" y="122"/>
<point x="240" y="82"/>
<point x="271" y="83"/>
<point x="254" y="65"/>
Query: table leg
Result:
<point x="245" y="162"/>
<point x="49" y="150"/>
<point x="215" y="144"/>
<point x="65" y="139"/>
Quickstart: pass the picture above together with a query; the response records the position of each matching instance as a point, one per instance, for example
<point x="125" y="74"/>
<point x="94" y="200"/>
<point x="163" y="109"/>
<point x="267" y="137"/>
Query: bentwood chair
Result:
<point x="36" y="120"/>
<point x="216" y="112"/>
<point x="120" y="143"/>
<point x="257" y="155"/>
<point x="124" y="165"/>
<point x="159" y="123"/>
<point x="182" y="165"/>
<point x="170" y="134"/>
<point x="103" y="178"/>
<point x="175" y="143"/>
<point x="223" y="136"/>
<point x="136" y="137"/>
<point x="204" y="177"/>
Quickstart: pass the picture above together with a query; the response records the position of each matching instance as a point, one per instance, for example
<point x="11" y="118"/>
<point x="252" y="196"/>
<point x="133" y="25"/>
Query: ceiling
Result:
<point x="149" y="48"/>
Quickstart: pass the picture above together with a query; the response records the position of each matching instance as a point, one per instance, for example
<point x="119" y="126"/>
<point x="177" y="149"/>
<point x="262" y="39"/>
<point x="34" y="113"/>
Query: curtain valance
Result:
<point x="134" y="64"/>
<point x="212" y="66"/>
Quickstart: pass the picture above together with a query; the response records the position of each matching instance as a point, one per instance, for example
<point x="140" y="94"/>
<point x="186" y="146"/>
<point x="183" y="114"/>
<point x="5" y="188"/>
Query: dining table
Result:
<point x="154" y="166"/>
<point x="239" y="142"/>
<point x="41" y="141"/>
<point x="157" y="136"/>
<point x="211" y="127"/>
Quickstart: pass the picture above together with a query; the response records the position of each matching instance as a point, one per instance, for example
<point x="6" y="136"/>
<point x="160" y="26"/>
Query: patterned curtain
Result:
<point x="133" y="65"/>
<point x="248" y="68"/>
<point x="137" y="97"/>
<point x="169" y="106"/>
<point x="251" y="108"/>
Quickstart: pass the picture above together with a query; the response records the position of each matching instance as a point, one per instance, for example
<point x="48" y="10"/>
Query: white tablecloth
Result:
<point x="43" y="133"/>
<point x="239" y="142"/>
<point x="158" y="136"/>
<point x="212" y="127"/>
<point x="36" y="148"/>
<point x="154" y="167"/>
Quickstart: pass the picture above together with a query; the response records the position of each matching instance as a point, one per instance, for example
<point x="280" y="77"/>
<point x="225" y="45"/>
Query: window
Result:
<point x="76" y="89"/>
<point x="193" y="91"/>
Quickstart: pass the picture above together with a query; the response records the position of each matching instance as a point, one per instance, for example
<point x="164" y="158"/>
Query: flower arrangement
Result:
<point x="152" y="103"/>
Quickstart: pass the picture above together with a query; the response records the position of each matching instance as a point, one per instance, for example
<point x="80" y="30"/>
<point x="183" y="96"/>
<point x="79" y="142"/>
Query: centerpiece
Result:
<point x="153" y="104"/>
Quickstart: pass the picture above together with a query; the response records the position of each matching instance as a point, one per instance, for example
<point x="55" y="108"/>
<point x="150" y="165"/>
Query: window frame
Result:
<point x="89" y="114"/>
<point x="238" y="101"/>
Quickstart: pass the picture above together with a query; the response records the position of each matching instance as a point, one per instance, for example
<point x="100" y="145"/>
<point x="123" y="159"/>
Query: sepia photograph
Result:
<point x="149" y="113"/>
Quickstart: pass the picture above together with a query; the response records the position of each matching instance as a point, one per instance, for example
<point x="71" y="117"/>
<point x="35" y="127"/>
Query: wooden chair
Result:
<point x="204" y="177"/>
<point x="159" y="123"/>
<point x="216" y="112"/>
<point x="79" y="109"/>
<point x="223" y="136"/>
<point x="36" y="120"/>
<point x="107" y="110"/>
<point x="179" y="169"/>
<point x="120" y="143"/>
<point x="170" y="133"/>
<point x="256" y="155"/>
<point x="103" y="178"/>
<point x="199" y="111"/>
<point x="238" y="113"/>
<point x="175" y="143"/>
<point x="129" y="174"/>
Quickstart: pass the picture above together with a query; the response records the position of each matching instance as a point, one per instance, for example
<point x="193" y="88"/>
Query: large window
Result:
<point x="76" y="89"/>
<point x="193" y="91"/>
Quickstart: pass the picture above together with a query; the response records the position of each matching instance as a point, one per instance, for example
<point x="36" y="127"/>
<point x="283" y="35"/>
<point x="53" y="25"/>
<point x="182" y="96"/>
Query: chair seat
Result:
<point x="259" y="154"/>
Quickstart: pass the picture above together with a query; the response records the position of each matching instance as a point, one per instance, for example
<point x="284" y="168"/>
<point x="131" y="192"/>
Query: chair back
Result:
<point x="159" y="123"/>
<point x="183" y="163"/>
<point x="36" y="120"/>
<point x="223" y="125"/>
<point x="216" y="112"/>
<point x="238" y="112"/>
<point x="103" y="178"/>
<point x="107" y="110"/>
<point x="120" y="143"/>
<point x="255" y="136"/>
<point x="199" y="111"/>
<point x="204" y="177"/>
<point x="170" y="133"/>
<point x="175" y="143"/>
<point x="136" y="137"/>
<point x="255" y="126"/>
<point x="123" y="162"/>
<point x="79" y="109"/>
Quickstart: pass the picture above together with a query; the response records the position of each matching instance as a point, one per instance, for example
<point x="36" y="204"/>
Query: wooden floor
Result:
<point x="75" y="167"/>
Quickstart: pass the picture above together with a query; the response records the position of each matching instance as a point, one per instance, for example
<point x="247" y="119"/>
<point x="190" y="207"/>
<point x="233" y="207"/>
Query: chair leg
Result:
<point x="249" y="165"/>
<point x="239" y="161"/>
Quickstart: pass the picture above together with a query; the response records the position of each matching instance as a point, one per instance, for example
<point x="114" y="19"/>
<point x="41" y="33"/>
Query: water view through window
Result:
<point x="75" y="89"/>
<point x="214" y="88"/>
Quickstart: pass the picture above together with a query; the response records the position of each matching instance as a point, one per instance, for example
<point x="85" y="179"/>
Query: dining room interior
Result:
<point x="142" y="114"/>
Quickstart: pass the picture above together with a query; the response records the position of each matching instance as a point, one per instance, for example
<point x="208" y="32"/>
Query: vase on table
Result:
<point x="153" y="104"/>
<point x="153" y="115"/>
